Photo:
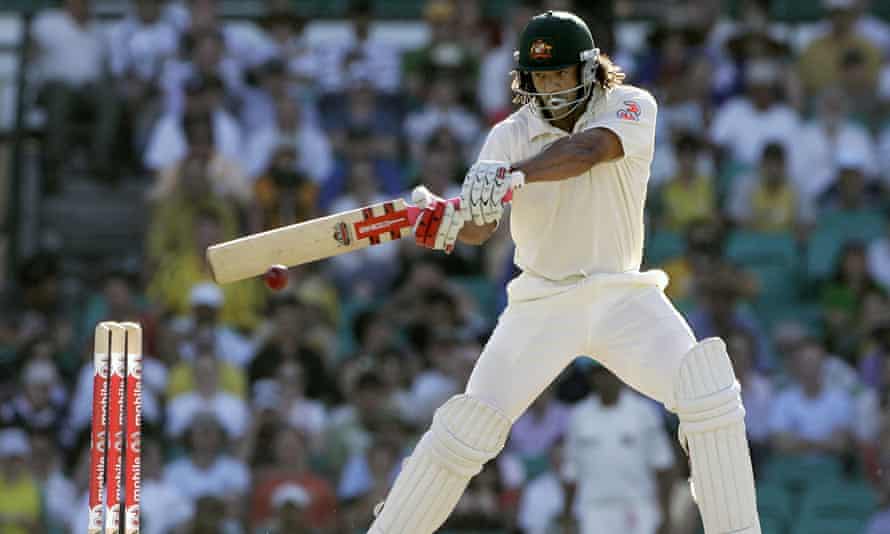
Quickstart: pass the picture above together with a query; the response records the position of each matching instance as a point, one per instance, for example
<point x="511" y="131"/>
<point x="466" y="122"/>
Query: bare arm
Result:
<point x="571" y="156"/>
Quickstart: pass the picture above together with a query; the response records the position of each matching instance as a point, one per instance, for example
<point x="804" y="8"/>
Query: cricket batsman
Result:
<point x="577" y="155"/>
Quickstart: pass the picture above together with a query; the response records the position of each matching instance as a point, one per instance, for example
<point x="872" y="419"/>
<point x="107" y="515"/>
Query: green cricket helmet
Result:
<point x="555" y="40"/>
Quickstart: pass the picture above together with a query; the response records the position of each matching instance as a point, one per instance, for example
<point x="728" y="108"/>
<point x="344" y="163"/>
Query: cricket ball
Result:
<point x="276" y="277"/>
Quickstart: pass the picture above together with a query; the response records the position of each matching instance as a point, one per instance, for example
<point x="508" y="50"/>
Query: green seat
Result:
<point x="812" y="525"/>
<point x="483" y="291"/>
<point x="776" y="507"/>
<point x="839" y="501"/>
<point x="798" y="474"/>
<point x="796" y="10"/>
<point x="662" y="246"/>
<point x="833" y="232"/>
<point x="771" y="257"/>
<point x="768" y="525"/>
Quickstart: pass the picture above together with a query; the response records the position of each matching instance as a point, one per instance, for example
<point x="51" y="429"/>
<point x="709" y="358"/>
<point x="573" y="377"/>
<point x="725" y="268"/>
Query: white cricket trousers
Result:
<point x="639" y="516"/>
<point x="625" y="321"/>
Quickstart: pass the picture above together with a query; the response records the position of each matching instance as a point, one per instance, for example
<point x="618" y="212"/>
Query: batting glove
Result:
<point x="439" y="221"/>
<point x="483" y="191"/>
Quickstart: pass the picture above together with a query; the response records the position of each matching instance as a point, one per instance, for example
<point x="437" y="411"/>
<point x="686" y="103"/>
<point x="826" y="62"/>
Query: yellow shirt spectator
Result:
<point x="686" y="200"/>
<point x="821" y="63"/>
<point x="182" y="380"/>
<point x="20" y="503"/>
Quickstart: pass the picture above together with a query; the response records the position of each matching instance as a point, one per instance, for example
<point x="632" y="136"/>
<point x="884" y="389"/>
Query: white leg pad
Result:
<point x="465" y="434"/>
<point x="712" y="431"/>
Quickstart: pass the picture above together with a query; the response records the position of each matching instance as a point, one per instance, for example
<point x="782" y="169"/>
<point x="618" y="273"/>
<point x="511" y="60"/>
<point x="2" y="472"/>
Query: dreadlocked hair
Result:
<point x="608" y="74"/>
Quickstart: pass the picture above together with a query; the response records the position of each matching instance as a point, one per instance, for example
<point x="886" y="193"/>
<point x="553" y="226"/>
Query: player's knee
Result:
<point x="466" y="433"/>
<point x="707" y="395"/>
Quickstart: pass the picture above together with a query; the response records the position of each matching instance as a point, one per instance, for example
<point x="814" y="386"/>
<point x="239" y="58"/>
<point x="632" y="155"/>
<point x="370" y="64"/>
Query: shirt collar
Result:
<point x="538" y="126"/>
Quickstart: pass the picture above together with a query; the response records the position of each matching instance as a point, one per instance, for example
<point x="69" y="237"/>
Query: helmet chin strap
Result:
<point x="546" y="104"/>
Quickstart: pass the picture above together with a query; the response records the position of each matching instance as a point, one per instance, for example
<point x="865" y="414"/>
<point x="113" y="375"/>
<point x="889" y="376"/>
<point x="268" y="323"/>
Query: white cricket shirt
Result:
<point x="613" y="452"/>
<point x="591" y="223"/>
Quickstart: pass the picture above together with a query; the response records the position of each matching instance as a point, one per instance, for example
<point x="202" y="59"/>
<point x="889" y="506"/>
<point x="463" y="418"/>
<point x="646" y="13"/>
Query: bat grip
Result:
<point x="414" y="211"/>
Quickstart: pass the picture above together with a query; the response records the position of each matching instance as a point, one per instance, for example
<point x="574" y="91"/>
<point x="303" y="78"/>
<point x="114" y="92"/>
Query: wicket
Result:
<point x="115" y="470"/>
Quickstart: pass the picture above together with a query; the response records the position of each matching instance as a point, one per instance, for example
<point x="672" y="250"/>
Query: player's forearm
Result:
<point x="472" y="234"/>
<point x="570" y="156"/>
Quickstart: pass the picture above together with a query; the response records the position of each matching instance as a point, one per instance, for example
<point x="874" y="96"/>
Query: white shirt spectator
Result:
<point x="758" y="395"/>
<point x="494" y="79"/>
<point x="226" y="477"/>
<point x="878" y="261"/>
<point x="231" y="412"/>
<point x="744" y="130"/>
<point x="814" y="419"/>
<point x="378" y="62"/>
<point x="541" y="504"/>
<point x="420" y="125"/>
<point x="141" y="49"/>
<point x="69" y="52"/>
<point x="313" y="148"/>
<point x="814" y="155"/>
<point x="428" y="391"/>
<point x="168" y="143"/>
<point x="59" y="496"/>
<point x="308" y="415"/>
<point x="176" y="73"/>
<point x="229" y="345"/>
<point x="613" y="451"/>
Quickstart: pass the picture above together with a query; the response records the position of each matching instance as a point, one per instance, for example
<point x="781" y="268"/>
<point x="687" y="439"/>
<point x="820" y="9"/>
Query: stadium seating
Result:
<point x="776" y="508"/>
<point x="798" y="474"/>
<point x="833" y="232"/>
<point x="835" y="508"/>
<point x="663" y="245"/>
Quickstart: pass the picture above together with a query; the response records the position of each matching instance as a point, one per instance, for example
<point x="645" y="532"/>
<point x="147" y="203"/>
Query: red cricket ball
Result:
<point x="276" y="277"/>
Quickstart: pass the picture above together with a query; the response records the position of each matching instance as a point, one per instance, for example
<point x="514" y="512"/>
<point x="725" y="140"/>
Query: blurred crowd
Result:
<point x="292" y="411"/>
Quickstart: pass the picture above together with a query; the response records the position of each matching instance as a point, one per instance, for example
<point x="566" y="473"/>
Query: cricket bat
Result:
<point x="315" y="239"/>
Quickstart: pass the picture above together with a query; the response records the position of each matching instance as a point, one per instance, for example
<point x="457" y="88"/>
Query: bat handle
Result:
<point x="414" y="211"/>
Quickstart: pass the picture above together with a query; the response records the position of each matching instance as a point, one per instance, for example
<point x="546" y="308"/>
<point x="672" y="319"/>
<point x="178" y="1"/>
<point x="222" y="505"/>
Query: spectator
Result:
<point x="363" y="111"/>
<point x="704" y="239"/>
<point x="843" y="297"/>
<point x="210" y="517"/>
<point x="140" y="45"/>
<point x="169" y="141"/>
<point x="537" y="431"/>
<point x="58" y="494"/>
<point x="360" y="55"/>
<point x="443" y="51"/>
<point x="811" y="419"/>
<point x="830" y="131"/>
<point x="493" y="94"/>
<point x="44" y="313"/>
<point x="286" y="42"/>
<point x="619" y="458"/>
<point x="757" y="393"/>
<point x="481" y="504"/>
<point x="308" y="415"/>
<point x="367" y="476"/>
<point x="878" y="258"/>
<point x="174" y="217"/>
<point x="42" y="401"/>
<point x="20" y="500"/>
<point x="208" y="470"/>
<point x="290" y="467"/>
<point x="289" y="337"/>
<point x="222" y="176"/>
<point x="205" y="329"/>
<point x="744" y="125"/>
<point x="767" y="201"/>
<point x="820" y="63"/>
<point x="313" y="150"/>
<point x="70" y="55"/>
<point x="542" y="501"/>
<point x="163" y="506"/>
<point x="442" y="108"/>
<point x="171" y="284"/>
<point x="853" y="190"/>
<point x="290" y="503"/>
<point x="351" y="427"/>
<point x="208" y="397"/>
<point x="283" y="194"/>
<point x="689" y="194"/>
